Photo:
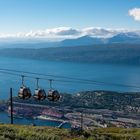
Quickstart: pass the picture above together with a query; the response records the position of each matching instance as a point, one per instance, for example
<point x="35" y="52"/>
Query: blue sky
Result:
<point x="25" y="15"/>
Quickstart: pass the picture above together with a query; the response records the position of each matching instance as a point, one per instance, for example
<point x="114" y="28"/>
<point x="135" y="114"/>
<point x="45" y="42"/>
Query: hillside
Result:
<point x="16" y="132"/>
<point x="107" y="53"/>
<point x="95" y="100"/>
<point x="99" y="108"/>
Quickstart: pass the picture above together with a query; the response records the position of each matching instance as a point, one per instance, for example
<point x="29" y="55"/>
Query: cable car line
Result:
<point x="61" y="77"/>
<point x="70" y="79"/>
<point x="56" y="80"/>
<point x="46" y="75"/>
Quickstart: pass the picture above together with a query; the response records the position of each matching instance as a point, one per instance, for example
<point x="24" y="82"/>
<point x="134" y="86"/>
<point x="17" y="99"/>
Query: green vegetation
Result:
<point x="116" y="134"/>
<point x="17" y="132"/>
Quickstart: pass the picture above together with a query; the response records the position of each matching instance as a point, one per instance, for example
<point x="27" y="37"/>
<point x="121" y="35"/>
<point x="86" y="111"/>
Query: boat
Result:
<point x="45" y="117"/>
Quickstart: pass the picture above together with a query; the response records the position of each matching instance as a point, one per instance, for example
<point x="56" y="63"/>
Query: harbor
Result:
<point x="4" y="119"/>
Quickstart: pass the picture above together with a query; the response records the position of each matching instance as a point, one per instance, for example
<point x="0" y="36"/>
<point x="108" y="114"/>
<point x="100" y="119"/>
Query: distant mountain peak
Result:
<point x="127" y="37"/>
<point x="84" y="40"/>
<point x="129" y="34"/>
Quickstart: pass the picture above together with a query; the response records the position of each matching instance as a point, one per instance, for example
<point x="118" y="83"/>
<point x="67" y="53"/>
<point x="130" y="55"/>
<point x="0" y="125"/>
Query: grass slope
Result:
<point x="18" y="132"/>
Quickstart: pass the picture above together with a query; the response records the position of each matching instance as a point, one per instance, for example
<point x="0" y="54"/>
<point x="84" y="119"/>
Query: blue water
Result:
<point x="23" y="121"/>
<point x="122" y="74"/>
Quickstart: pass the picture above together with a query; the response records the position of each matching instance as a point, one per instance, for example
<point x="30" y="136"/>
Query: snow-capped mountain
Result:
<point x="95" y="36"/>
<point x="129" y="37"/>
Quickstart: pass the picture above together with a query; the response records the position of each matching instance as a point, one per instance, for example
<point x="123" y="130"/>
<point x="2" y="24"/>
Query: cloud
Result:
<point x="135" y="13"/>
<point x="66" y="32"/>
<point x="62" y="31"/>
<point x="99" y="32"/>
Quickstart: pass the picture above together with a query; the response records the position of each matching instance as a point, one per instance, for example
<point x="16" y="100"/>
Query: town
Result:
<point x="82" y="111"/>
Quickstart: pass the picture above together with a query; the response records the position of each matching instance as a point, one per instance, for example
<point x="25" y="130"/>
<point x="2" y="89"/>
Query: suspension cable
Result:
<point x="62" y="78"/>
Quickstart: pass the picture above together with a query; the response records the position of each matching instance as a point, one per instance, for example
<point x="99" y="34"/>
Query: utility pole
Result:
<point x="11" y="105"/>
<point x="81" y="120"/>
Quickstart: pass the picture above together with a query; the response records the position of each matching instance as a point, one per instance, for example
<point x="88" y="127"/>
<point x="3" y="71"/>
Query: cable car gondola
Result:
<point x="24" y="92"/>
<point x="40" y="94"/>
<point x="53" y="95"/>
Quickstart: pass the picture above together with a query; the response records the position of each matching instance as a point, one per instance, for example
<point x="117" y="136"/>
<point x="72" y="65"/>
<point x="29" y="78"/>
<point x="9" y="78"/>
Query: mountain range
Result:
<point x="121" y="38"/>
<point x="120" y="48"/>
<point x="129" y="37"/>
